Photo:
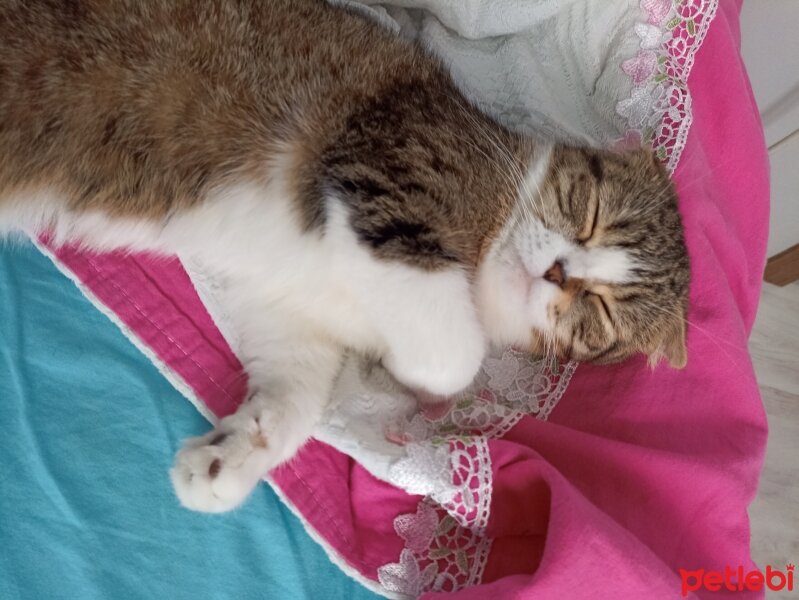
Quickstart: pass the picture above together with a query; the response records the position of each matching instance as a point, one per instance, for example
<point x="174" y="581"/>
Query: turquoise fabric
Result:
<point x="88" y="430"/>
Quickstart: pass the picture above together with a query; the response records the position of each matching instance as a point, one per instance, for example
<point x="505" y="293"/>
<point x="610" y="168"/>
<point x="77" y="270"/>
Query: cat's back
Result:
<point x="142" y="104"/>
<point x="283" y="41"/>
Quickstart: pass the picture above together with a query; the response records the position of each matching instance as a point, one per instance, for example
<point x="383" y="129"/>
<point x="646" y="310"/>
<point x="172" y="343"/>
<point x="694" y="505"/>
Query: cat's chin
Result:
<point x="512" y="303"/>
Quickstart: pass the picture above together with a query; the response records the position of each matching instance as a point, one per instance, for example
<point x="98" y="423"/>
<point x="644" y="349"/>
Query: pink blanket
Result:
<point x="636" y="474"/>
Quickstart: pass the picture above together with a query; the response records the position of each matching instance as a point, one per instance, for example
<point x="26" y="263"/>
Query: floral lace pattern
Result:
<point x="448" y="460"/>
<point x="439" y="555"/>
<point x="658" y="111"/>
<point x="447" y="457"/>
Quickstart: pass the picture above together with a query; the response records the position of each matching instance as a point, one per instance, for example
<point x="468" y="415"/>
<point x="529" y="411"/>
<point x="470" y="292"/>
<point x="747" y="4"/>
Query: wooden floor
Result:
<point x="775" y="351"/>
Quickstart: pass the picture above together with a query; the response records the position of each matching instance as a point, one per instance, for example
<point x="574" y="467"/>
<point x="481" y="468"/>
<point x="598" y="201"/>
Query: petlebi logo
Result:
<point x="735" y="579"/>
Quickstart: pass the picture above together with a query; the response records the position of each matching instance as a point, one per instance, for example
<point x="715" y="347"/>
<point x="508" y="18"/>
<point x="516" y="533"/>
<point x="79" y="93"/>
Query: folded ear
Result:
<point x="671" y="346"/>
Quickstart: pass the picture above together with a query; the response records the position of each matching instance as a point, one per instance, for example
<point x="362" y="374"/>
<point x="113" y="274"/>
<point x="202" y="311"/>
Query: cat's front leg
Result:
<point x="291" y="377"/>
<point x="435" y="341"/>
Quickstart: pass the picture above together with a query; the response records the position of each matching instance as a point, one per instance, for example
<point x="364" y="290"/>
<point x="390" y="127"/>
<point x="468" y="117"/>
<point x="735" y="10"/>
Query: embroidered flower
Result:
<point x="418" y="529"/>
<point x="440" y="555"/>
<point x="510" y="368"/>
<point x="425" y="468"/>
<point x="501" y="372"/>
<point x="651" y="36"/>
<point x="679" y="44"/>
<point x="405" y="577"/>
<point x="641" y="66"/>
<point x="638" y="107"/>
<point x="672" y="31"/>
<point x="656" y="10"/>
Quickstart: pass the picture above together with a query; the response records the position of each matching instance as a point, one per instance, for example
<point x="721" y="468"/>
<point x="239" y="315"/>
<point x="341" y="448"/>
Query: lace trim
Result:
<point x="658" y="111"/>
<point x="447" y="458"/>
<point x="439" y="555"/>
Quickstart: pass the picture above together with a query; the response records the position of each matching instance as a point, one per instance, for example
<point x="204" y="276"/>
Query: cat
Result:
<point x="348" y="192"/>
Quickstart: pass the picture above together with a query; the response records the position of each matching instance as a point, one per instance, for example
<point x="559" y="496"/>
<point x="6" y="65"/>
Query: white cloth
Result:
<point x="545" y="66"/>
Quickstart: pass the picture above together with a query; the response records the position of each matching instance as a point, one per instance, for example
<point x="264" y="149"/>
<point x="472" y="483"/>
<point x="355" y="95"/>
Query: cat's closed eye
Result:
<point x="603" y="305"/>
<point x="592" y="222"/>
<point x="608" y="251"/>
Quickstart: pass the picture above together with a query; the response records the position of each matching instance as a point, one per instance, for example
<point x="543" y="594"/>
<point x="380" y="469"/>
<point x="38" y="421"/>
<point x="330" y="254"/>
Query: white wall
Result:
<point x="784" y="231"/>
<point x="770" y="48"/>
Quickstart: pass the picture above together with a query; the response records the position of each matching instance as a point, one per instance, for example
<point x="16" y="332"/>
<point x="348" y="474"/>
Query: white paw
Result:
<point x="216" y="472"/>
<point x="438" y="371"/>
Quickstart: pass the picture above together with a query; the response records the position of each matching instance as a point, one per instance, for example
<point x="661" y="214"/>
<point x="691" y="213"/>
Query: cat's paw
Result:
<point x="437" y="371"/>
<point x="216" y="472"/>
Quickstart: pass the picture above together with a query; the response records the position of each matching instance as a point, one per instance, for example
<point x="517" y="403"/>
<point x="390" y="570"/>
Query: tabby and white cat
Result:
<point x="347" y="191"/>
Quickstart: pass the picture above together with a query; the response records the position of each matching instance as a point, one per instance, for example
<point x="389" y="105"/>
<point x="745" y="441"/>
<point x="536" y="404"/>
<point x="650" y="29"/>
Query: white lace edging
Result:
<point x="439" y="555"/>
<point x="453" y="460"/>
<point x="448" y="460"/>
<point x="658" y="111"/>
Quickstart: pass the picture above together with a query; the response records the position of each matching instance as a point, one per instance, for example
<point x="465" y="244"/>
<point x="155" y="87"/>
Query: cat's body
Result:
<point x="344" y="188"/>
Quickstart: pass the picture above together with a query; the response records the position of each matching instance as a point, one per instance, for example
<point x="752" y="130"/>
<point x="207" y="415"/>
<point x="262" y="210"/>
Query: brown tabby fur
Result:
<point x="141" y="107"/>
<point x="596" y="197"/>
<point x="144" y="107"/>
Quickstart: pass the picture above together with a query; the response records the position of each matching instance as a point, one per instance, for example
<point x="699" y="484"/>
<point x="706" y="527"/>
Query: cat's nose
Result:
<point x="556" y="274"/>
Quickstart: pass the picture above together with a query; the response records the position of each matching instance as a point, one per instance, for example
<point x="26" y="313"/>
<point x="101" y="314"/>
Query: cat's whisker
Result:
<point x="717" y="341"/>
<point x="514" y="175"/>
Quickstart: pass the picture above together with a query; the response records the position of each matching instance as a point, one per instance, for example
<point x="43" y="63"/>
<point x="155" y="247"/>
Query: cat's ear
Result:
<point x="671" y="346"/>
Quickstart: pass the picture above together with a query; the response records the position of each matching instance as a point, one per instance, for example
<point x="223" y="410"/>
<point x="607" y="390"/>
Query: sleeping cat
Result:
<point x="349" y="194"/>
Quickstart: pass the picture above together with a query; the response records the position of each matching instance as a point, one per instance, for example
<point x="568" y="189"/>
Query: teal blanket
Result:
<point x="89" y="428"/>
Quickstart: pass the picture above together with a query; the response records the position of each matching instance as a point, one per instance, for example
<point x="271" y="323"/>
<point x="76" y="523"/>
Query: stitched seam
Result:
<point x="154" y="281"/>
<point x="163" y="332"/>
<point x="328" y="515"/>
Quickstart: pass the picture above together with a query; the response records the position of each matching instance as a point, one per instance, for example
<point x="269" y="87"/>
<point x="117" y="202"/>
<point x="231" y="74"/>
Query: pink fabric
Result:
<point x="637" y="474"/>
<point x="650" y="472"/>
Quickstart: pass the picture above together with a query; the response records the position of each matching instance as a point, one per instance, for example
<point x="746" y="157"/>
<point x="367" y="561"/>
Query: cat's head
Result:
<point x="592" y="265"/>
